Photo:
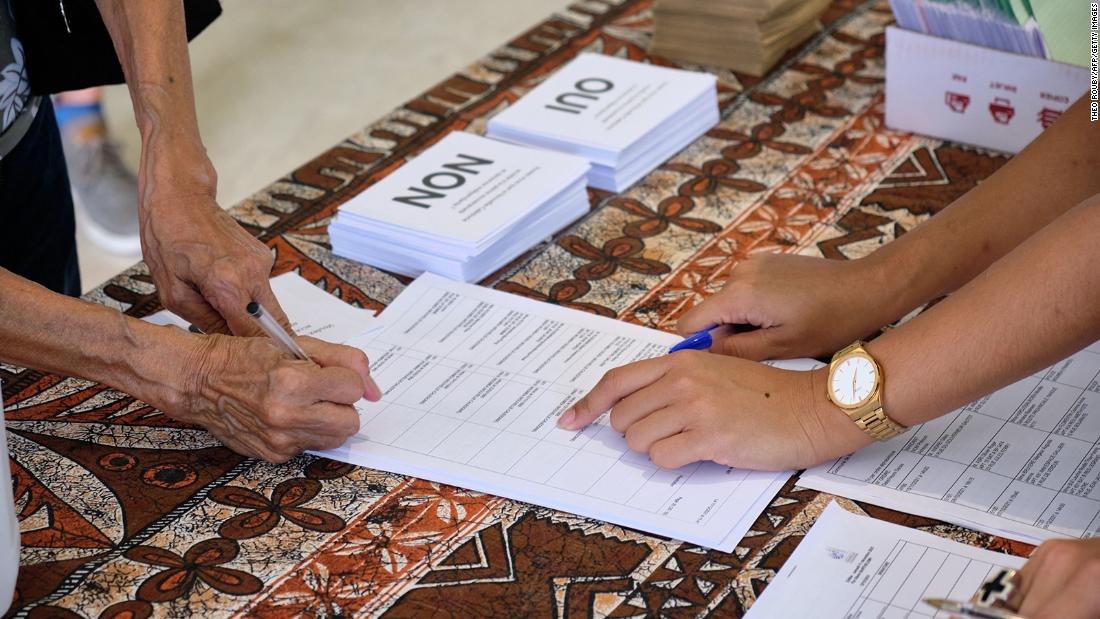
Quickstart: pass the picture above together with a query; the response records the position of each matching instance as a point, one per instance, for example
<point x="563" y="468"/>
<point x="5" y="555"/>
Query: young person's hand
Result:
<point x="802" y="306"/>
<point x="691" y="406"/>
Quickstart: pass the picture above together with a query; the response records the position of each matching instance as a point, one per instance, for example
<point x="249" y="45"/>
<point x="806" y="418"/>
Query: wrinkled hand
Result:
<point x="260" y="402"/>
<point x="691" y="406"/>
<point x="802" y="306"/>
<point x="1060" y="581"/>
<point x="207" y="268"/>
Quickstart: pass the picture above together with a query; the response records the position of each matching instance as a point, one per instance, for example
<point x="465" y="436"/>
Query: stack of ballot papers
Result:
<point x="474" y="381"/>
<point x="310" y="310"/>
<point x="625" y="117"/>
<point x="743" y="35"/>
<point x="463" y="208"/>
<point x="851" y="566"/>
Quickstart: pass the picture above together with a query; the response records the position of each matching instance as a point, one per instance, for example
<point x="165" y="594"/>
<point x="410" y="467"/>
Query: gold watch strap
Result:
<point x="878" y="424"/>
<point x="871" y="418"/>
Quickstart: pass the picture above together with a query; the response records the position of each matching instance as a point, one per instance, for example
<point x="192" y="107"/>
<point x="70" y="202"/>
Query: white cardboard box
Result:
<point x="971" y="94"/>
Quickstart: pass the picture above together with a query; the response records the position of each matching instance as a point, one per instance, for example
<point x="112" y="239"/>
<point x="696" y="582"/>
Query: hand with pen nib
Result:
<point x="801" y="306"/>
<point x="272" y="397"/>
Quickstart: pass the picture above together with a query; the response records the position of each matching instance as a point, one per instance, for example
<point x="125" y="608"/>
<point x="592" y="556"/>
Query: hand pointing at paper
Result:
<point x="693" y="405"/>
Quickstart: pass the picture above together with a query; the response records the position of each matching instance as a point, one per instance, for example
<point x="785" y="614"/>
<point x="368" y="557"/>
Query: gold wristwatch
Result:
<point x="855" y="385"/>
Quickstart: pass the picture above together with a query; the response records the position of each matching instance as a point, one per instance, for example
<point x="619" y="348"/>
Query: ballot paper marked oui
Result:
<point x="851" y="566"/>
<point x="1022" y="462"/>
<point x="475" y="380"/>
<point x="625" y="117"/>
<point x="462" y="208"/>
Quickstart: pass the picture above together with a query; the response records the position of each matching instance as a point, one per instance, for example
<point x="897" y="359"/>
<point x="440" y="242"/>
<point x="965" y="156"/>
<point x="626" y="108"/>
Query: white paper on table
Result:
<point x="972" y="94"/>
<point x="474" y="382"/>
<point x="464" y="190"/>
<point x="1022" y="462"/>
<point x="851" y="566"/>
<point x="311" y="311"/>
<point x="600" y="103"/>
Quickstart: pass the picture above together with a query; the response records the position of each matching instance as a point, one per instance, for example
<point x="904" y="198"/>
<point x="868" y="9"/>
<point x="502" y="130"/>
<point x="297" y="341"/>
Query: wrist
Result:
<point x="169" y="173"/>
<point x="891" y="277"/>
<point x="173" y="157"/>
<point x="839" y="434"/>
<point x="155" y="363"/>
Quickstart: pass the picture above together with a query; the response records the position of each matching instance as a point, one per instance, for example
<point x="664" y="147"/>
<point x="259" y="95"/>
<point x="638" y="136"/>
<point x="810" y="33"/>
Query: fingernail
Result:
<point x="373" y="391"/>
<point x="567" y="418"/>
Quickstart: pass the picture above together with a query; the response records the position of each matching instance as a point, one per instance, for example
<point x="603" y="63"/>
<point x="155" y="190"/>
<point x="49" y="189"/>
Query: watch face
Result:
<point x="853" y="380"/>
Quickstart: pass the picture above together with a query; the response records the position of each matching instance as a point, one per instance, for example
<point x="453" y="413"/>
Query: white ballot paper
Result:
<point x="1022" y="462"/>
<point x="474" y="382"/>
<point x="852" y="567"/>
<point x="462" y="208"/>
<point x="311" y="311"/>
<point x="625" y="117"/>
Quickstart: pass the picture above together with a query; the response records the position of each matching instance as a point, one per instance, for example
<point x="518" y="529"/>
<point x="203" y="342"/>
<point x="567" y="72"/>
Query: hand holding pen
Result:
<point x="275" y="331"/>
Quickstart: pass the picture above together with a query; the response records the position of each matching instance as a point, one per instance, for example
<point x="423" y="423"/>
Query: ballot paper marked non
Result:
<point x="310" y="309"/>
<point x="475" y="380"/>
<point x="1022" y="462"/>
<point x="462" y="208"/>
<point x="625" y="117"/>
<point x="851" y="566"/>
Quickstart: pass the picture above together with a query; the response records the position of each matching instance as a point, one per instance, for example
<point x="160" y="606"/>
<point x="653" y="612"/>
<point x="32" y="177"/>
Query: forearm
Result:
<point x="49" y="332"/>
<point x="1033" y="307"/>
<point x="151" y="42"/>
<point x="1054" y="173"/>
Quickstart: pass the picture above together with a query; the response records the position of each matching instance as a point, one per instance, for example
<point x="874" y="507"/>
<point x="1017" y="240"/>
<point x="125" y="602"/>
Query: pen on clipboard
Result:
<point x="275" y="331"/>
<point x="966" y="609"/>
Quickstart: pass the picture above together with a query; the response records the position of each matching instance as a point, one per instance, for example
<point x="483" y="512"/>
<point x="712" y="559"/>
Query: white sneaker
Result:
<point x="104" y="190"/>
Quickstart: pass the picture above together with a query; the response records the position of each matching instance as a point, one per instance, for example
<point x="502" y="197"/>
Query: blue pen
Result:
<point x="700" y="340"/>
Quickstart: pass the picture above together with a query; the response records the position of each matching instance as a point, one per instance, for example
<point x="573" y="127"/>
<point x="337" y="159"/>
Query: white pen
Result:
<point x="965" y="609"/>
<point x="275" y="331"/>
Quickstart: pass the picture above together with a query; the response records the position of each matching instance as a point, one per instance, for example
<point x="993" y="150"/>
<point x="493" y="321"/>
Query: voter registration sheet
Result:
<point x="475" y="380"/>
<point x="850" y="566"/>
<point x="1023" y="462"/>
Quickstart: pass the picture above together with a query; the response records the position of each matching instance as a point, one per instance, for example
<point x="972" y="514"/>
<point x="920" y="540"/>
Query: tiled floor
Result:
<point x="278" y="81"/>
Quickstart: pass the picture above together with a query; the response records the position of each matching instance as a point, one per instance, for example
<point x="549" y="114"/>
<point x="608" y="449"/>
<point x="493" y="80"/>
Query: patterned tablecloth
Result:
<point x="125" y="512"/>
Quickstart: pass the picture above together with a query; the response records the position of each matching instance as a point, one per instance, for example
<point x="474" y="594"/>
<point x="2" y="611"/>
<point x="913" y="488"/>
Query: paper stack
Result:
<point x="625" y="117"/>
<point x="743" y="35"/>
<point x="463" y="208"/>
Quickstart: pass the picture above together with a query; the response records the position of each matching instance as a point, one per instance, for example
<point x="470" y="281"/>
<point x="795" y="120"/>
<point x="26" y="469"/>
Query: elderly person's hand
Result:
<point x="261" y="402"/>
<point x="207" y="268"/>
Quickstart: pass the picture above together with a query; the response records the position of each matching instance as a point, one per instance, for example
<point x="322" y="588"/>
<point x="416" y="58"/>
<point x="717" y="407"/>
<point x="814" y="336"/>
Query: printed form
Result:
<point x="474" y="382"/>
<point x="854" y="567"/>
<point x="1022" y="462"/>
